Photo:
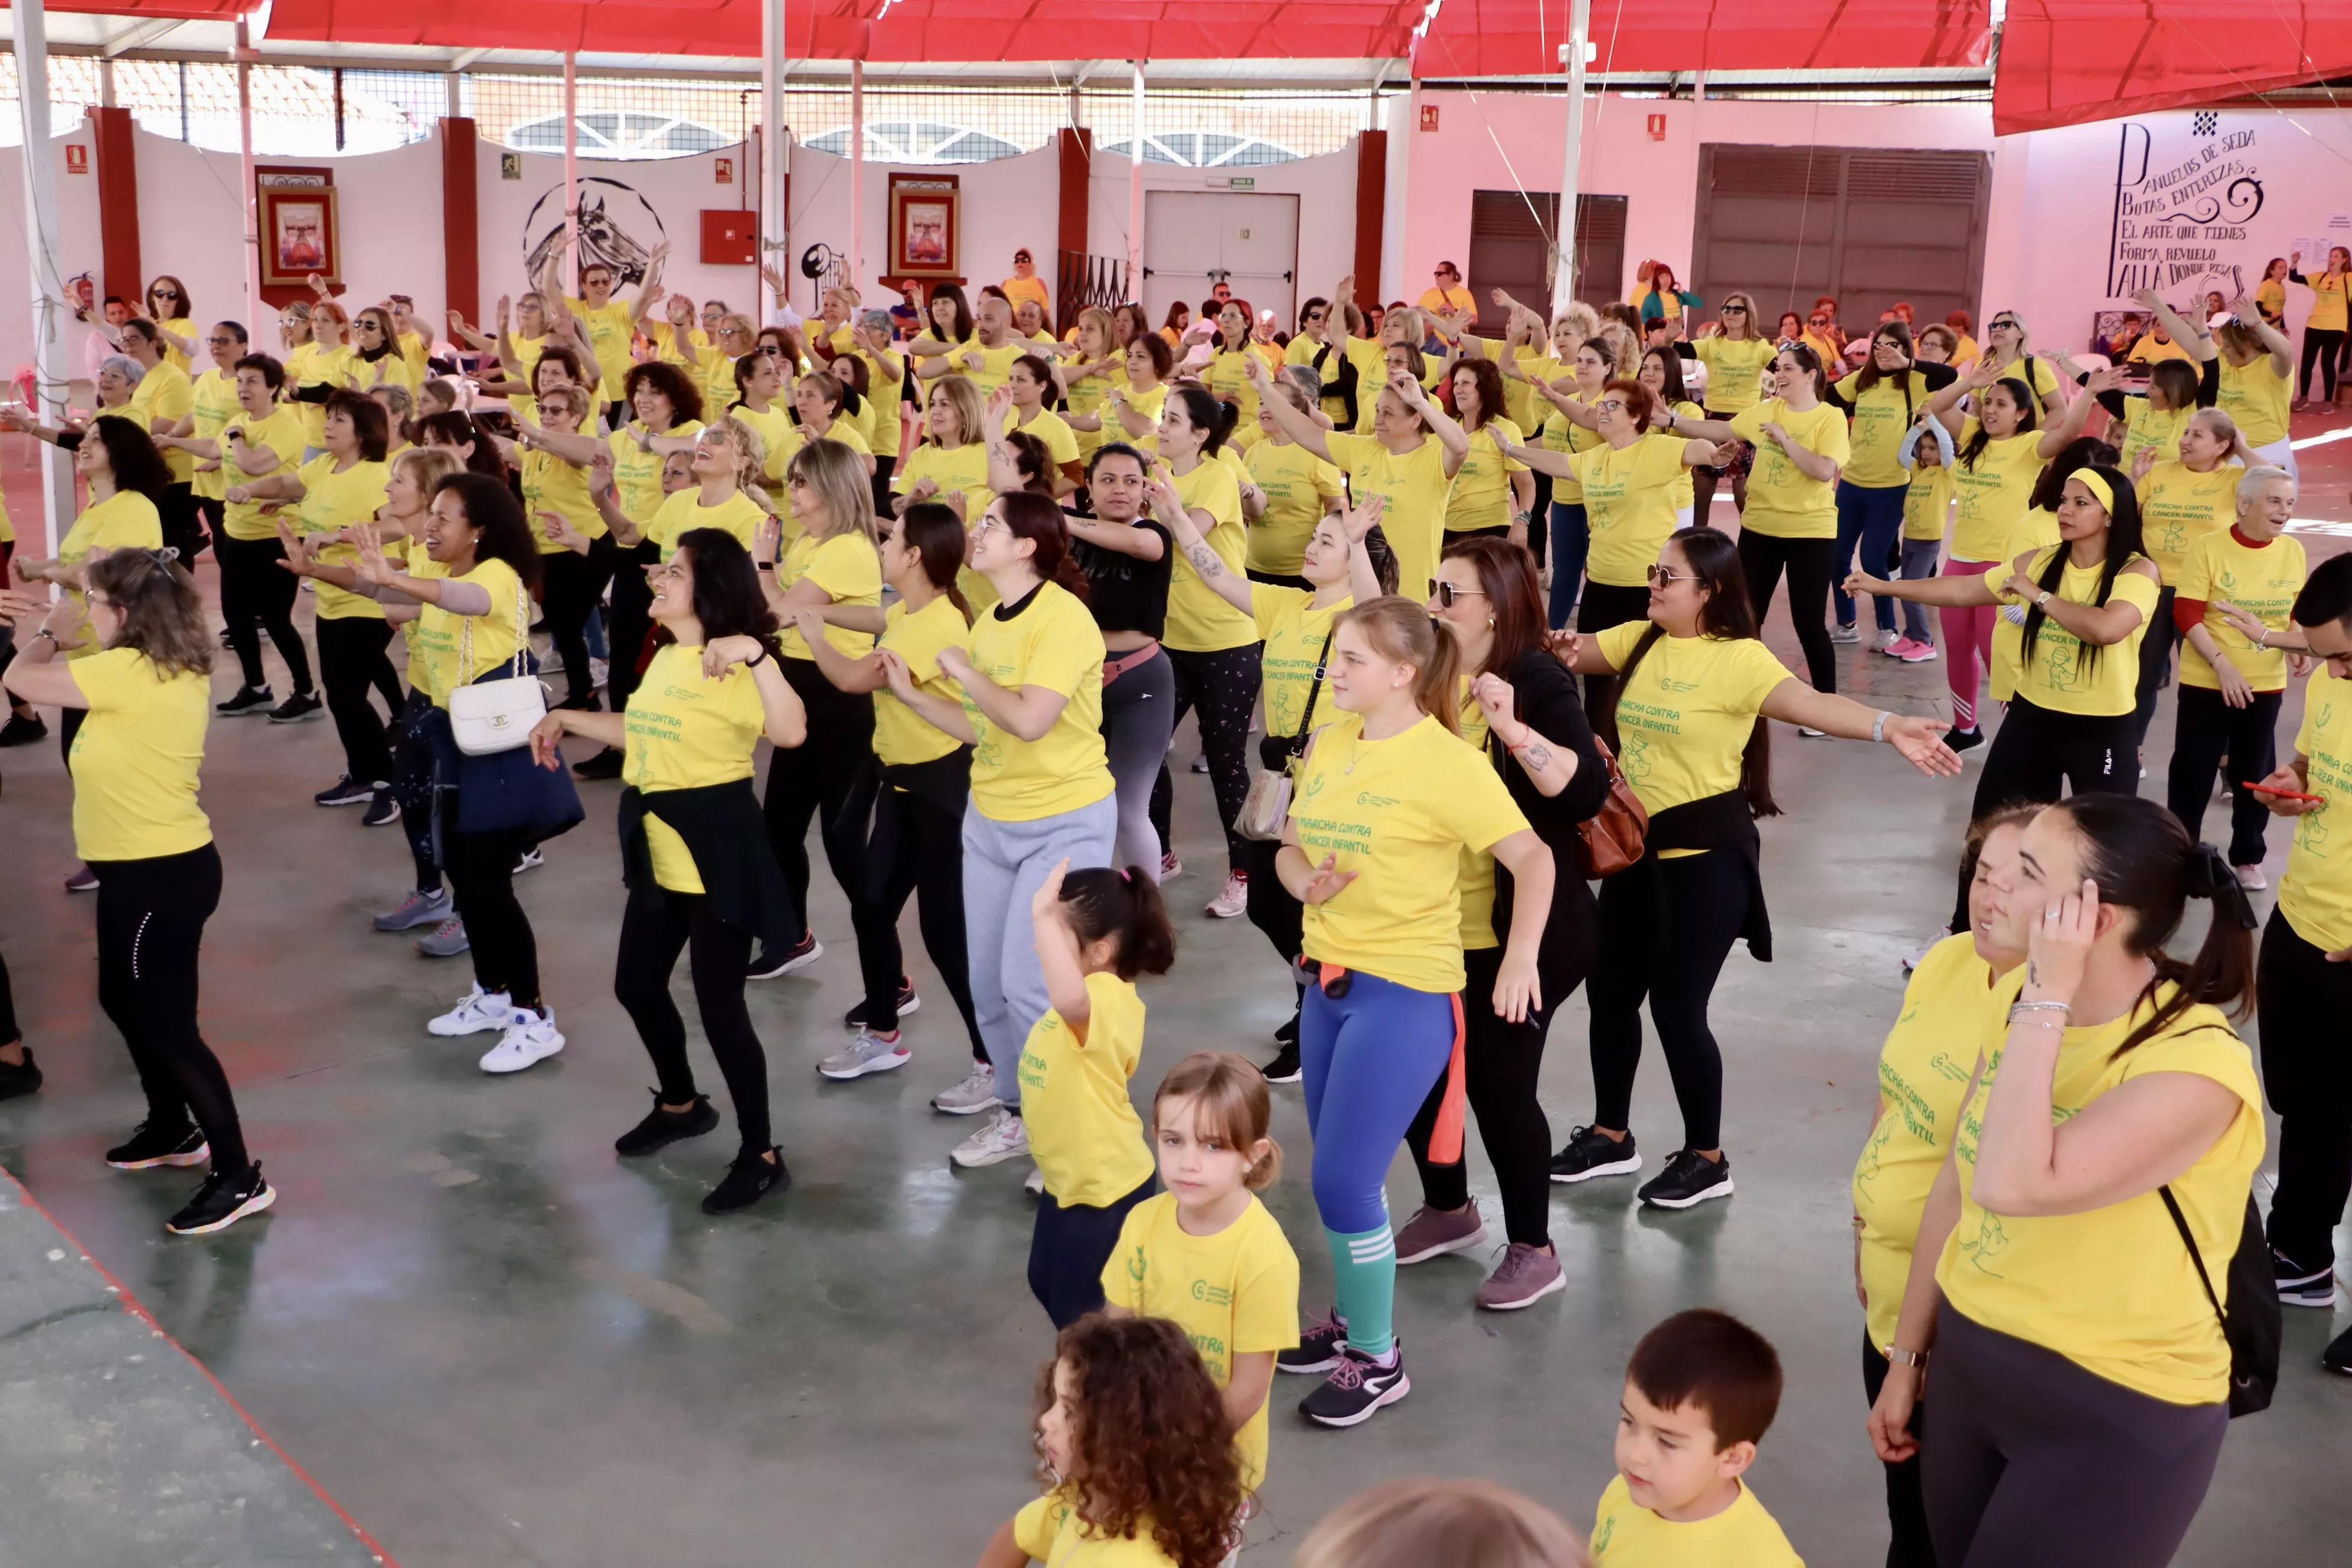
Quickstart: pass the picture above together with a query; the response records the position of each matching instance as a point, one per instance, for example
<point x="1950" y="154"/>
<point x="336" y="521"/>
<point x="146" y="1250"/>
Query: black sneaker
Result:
<point x="770" y="963"/>
<point x="1318" y="1349"/>
<point x="2301" y="1286"/>
<point x="747" y="1180"/>
<point x="907" y="1003"/>
<point x="295" y="709"/>
<point x="661" y="1128"/>
<point x="151" y="1146"/>
<point x="1284" y="1068"/>
<point x="382" y="810"/>
<point x="1964" y="739"/>
<point x="21" y="730"/>
<point x="1287" y="1035"/>
<point x="1589" y="1153"/>
<point x="19" y="1078"/>
<point x="2338" y="1357"/>
<point x="345" y="791"/>
<point x="225" y="1198"/>
<point x="605" y="765"/>
<point x="1357" y="1387"/>
<point x="1689" y="1178"/>
<point x="249" y="700"/>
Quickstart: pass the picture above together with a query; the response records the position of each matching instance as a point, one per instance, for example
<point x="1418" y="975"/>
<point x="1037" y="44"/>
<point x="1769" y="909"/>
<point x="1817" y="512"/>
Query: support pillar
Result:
<point x="117" y="203"/>
<point x="857" y="178"/>
<point x="1371" y="214"/>
<point x="571" y="171"/>
<point x="1135" y="192"/>
<point x="775" y="150"/>
<point x="46" y="270"/>
<point x="1070" y="270"/>
<point x="1563" y="276"/>
<point x="248" y="196"/>
<point x="460" y="220"/>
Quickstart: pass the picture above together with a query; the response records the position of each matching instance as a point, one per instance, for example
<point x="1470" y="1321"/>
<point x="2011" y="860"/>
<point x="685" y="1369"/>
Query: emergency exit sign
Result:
<point x="1232" y="182"/>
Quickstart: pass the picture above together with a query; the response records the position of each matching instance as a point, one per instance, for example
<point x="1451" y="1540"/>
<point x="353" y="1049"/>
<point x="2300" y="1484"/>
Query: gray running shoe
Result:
<point x="447" y="940"/>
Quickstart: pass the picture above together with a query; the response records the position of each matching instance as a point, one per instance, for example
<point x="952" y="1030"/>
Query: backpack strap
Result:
<point x="1306" y="719"/>
<point x="2172" y="1207"/>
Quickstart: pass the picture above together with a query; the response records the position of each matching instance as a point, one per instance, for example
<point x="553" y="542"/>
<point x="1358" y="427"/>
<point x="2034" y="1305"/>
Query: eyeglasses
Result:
<point x="1660" y="576"/>
<point x="1446" y="592"/>
<point x="1609" y="405"/>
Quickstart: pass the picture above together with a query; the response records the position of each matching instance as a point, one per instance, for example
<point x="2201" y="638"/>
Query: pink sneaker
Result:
<point x="1912" y="651"/>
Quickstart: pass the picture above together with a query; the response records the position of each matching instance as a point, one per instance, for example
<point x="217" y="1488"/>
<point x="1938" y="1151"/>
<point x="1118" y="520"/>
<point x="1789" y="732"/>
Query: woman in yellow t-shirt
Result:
<point x="1031" y="707"/>
<point x="666" y="413"/>
<point x="759" y="402"/>
<point x="475" y="623"/>
<point x="1737" y="353"/>
<point x="1131" y="409"/>
<point x="1028" y="383"/>
<point x="1087" y="379"/>
<point x="376" y="358"/>
<point x="1567" y="430"/>
<point x="169" y="307"/>
<point x="2074" y="1244"/>
<point x="2182" y="503"/>
<point x="324" y="365"/>
<point x="1288" y="492"/>
<point x="1694" y="684"/>
<point x="262" y="439"/>
<point x="949" y="464"/>
<point x="2007" y="350"/>
<point x="693" y="849"/>
<point x="137" y="824"/>
<point x="821" y="401"/>
<point x="885" y="394"/>
<point x="212" y="401"/>
<point x="1883" y="399"/>
<point x="579" y="551"/>
<point x="2257" y="383"/>
<point x="2324" y="331"/>
<point x="1492" y="491"/>
<point x="1227" y="375"/>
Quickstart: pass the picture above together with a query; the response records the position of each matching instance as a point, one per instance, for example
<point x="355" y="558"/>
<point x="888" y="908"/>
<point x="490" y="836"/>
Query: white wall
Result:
<point x="77" y="249"/>
<point x="1325" y="185"/>
<point x="1005" y="204"/>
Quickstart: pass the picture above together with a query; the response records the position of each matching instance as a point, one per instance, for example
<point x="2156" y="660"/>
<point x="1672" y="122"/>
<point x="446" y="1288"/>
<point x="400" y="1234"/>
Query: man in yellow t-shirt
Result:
<point x="1024" y="283"/>
<point x="610" y="323"/>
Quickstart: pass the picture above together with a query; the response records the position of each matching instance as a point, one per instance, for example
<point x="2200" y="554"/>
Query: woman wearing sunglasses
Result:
<point x="2007" y="350"/>
<point x="1883" y="399"/>
<point x="1695" y="684"/>
<point x="1736" y="353"/>
<point x="168" y="308"/>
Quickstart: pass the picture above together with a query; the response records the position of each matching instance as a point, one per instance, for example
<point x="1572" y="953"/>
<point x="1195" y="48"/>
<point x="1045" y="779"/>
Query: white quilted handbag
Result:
<point x="492" y="716"/>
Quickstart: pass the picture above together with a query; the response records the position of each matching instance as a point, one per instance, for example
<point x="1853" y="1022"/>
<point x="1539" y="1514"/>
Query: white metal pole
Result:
<point x="1135" y="192"/>
<point x="46" y="272"/>
<point x="252" y="198"/>
<point x="1563" y="280"/>
<point x="775" y="152"/>
<point x="572" y="167"/>
<point x="856" y="176"/>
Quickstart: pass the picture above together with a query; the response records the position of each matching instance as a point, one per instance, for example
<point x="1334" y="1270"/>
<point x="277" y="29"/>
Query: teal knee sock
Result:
<point x="1363" y="1271"/>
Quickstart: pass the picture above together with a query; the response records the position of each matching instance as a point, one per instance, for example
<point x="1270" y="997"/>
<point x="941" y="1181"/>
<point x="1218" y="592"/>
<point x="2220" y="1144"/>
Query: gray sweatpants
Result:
<point x="1004" y="864"/>
<point x="1139" y="714"/>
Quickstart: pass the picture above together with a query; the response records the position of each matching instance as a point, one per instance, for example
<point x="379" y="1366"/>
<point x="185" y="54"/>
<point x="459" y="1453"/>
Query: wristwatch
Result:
<point x="2041" y="600"/>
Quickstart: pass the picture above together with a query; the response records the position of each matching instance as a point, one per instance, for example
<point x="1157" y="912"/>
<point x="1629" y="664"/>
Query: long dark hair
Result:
<point x="1810" y="362"/>
<point x="132" y="456"/>
<point x="934" y="532"/>
<point x="1870" y="376"/>
<point x="1726" y="612"/>
<point x="728" y="599"/>
<point x="2144" y="861"/>
<point x="1127" y="905"/>
<point x="2124" y="546"/>
<point x="1670" y="371"/>
<point x="2029" y="419"/>
<point x="1508" y="574"/>
<point x="1038" y="520"/>
<point x="495" y="516"/>
<point x="949" y="292"/>
<point x="368" y="421"/>
<point x="1488" y="378"/>
<point x="1208" y="413"/>
<point x="745" y="368"/>
<point x="2082" y="452"/>
<point x="456" y="430"/>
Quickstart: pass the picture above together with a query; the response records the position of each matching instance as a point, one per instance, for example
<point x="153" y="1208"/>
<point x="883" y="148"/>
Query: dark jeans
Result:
<point x="1571" y="542"/>
<point x="2205" y="729"/>
<point x="481" y="881"/>
<point x="883" y="467"/>
<point x="183" y="528"/>
<point x="151" y="924"/>
<point x="1907" y="1508"/>
<point x="1068" y="1248"/>
<point x="652" y="936"/>
<point x="412" y="776"/>
<point x="1221" y="687"/>
<point x="1872" y="518"/>
<point x="2302" y="1002"/>
<point x="830" y="777"/>
<point x="2155" y="664"/>
<point x="630" y="621"/>
<point x="917" y="848"/>
<point x="1666" y="926"/>
<point x="1763" y="557"/>
<point x="255" y="589"/>
<point x="2038" y="753"/>
<point x="351" y="662"/>
<point x="569" y="594"/>
<point x="1602" y="606"/>
<point x="2029" y="1461"/>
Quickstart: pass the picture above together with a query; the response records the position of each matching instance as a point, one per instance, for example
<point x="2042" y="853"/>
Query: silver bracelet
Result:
<point x="2030" y="1007"/>
<point x="1878" y="726"/>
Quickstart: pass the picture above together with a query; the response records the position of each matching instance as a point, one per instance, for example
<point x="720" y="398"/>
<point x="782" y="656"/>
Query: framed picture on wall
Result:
<point x="926" y="225"/>
<point x="299" y="236"/>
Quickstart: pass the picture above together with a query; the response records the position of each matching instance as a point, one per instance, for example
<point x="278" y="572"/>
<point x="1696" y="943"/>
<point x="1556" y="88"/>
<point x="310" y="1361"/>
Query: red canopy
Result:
<point x="179" y="10"/>
<point x="835" y="29"/>
<point x="2066" y="61"/>
<point x="1522" y="37"/>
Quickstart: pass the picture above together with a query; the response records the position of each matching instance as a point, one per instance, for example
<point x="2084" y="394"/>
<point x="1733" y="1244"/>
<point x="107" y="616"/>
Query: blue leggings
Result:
<point x="1872" y="518"/>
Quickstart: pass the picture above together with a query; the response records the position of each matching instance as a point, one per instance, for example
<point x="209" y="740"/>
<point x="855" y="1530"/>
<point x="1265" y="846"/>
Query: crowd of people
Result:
<point x="1486" y="715"/>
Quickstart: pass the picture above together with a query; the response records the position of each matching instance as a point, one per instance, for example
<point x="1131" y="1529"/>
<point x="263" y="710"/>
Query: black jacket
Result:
<point x="728" y="837"/>
<point x="1546" y="700"/>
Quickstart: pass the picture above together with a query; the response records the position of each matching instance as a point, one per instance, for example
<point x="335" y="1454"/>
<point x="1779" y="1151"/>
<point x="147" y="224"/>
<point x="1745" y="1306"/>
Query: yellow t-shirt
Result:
<point x="1294" y="631"/>
<point x="2256" y="395"/>
<point x="313" y="365"/>
<point x="844" y="429"/>
<point x="2178" y="507"/>
<point x="1234" y="1293"/>
<point x="1049" y="1530"/>
<point x="179" y="327"/>
<point x="850" y="572"/>
<point x="995" y="364"/>
<point x="212" y="399"/>
<point x="2262" y="579"/>
<point x="166" y="395"/>
<point x="1198" y="619"/>
<point x="123" y="520"/>
<point x="2054" y="677"/>
<point x="1481" y="497"/>
<point x="1299" y="489"/>
<point x="2038" y="530"/>
<point x="2113" y="1290"/>
<point x="1629" y="505"/>
<point x="952" y="468"/>
<point x="882" y="403"/>
<point x="1359" y="365"/>
<point x="1926" y="502"/>
<point x="778" y="428"/>
<point x="687" y="731"/>
<point x="134" y="760"/>
<point x="1227" y="375"/>
<point x="527" y="352"/>
<point x="2328" y="302"/>
<point x="1147" y="404"/>
<point x="1399" y="813"/>
<point x="1627" y="1535"/>
<point x="1781" y="502"/>
<point x="332" y="502"/>
<point x="551" y="484"/>
<point x="637" y="472"/>
<point x="1685" y="716"/>
<point x="1881" y="419"/>
<point x="415" y="639"/>
<point x="1520" y="401"/>
<point x="2315" y="893"/>
<point x="609" y="328"/>
<point x="680" y="512"/>
<point x="1561" y="434"/>
<point x="2148" y="350"/>
<point x="1994" y="493"/>
<point x="1735" y="370"/>
<point x="1923" y="1073"/>
<point x="1415" y="485"/>
<point x="485" y="643"/>
<point x="1091" y="395"/>
<point x="902" y="736"/>
<point x="1052" y="642"/>
<point x="2146" y="426"/>
<point x="1083" y="1130"/>
<point x="1061" y="441"/>
<point x="281" y="432"/>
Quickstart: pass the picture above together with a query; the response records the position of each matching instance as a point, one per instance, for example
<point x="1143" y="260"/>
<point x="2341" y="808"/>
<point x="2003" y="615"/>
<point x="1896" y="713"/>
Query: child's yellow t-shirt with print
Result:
<point x="1084" y="1131"/>
<point x="1627" y="1535"/>
<point x="1050" y="1531"/>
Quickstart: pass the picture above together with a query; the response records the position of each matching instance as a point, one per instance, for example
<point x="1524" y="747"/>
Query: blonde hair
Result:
<point x="1231" y="1104"/>
<point x="573" y="399"/>
<point x="2224" y="428"/>
<point x="1628" y="352"/>
<point x="737" y="321"/>
<point x="1581" y="317"/>
<point x="1423" y="1523"/>
<point x="427" y="466"/>
<point x="751" y="458"/>
<point x="836" y="472"/>
<point x="1400" y="631"/>
<point x="1745" y="298"/>
<point x="2239" y="338"/>
<point x="965" y="399"/>
<point x="1099" y="319"/>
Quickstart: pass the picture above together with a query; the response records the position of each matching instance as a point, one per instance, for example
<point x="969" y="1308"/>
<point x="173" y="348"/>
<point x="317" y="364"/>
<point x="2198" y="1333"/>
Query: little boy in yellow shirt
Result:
<point x="1700" y="1393"/>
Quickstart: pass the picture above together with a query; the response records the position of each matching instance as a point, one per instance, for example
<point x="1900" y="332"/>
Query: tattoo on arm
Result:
<point x="1205" y="562"/>
<point x="1536" y="755"/>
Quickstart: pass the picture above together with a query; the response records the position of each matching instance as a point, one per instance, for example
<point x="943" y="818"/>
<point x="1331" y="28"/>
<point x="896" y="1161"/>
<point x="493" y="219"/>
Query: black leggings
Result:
<point x="1221" y="687"/>
<point x="1906" y="1509"/>
<point x="2155" y="664"/>
<point x="567" y="596"/>
<point x="412" y="785"/>
<point x="255" y="588"/>
<point x="1500" y="1061"/>
<point x="831" y="776"/>
<point x="917" y="848"/>
<point x="1666" y="926"/>
<point x="1604" y="606"/>
<point x="351" y="662"/>
<point x="1763" y="557"/>
<point x="2324" y="344"/>
<point x="10" y="1034"/>
<point x="150" y="922"/>
<point x="481" y="881"/>
<point x="652" y="933"/>
<point x="2301" y="1000"/>
<point x="883" y="468"/>
<point x="2205" y="729"/>
<point x="630" y="619"/>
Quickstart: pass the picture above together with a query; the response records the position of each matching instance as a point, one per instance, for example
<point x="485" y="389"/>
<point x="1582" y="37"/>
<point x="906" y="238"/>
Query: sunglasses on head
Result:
<point x="1446" y="594"/>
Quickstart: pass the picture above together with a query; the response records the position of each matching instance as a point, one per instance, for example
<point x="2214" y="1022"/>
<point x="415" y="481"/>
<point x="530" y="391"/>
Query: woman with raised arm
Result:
<point x="578" y="551"/>
<point x="1590" y="362"/>
<point x="1493" y="490"/>
<point x="1737" y="356"/>
<point x="2176" y="388"/>
<point x="2257" y="383"/>
<point x="1883" y="399"/>
<point x="2007" y="350"/>
<point x="2324" y="329"/>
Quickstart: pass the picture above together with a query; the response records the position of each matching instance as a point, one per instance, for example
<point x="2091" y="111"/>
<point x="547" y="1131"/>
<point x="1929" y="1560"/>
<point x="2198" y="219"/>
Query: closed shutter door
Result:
<point x="1510" y="249"/>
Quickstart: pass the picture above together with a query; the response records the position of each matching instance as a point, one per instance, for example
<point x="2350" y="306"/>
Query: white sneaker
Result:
<point x="1035" y="1185"/>
<point x="478" y="1010"/>
<point x="1235" y="900"/>
<point x="1840" y="632"/>
<point x="867" y="1053"/>
<point x="531" y="1037"/>
<point x="1005" y="1136"/>
<point x="1885" y="639"/>
<point x="976" y="1093"/>
<point x="600" y="672"/>
<point x="1169" y="866"/>
<point x="2251" y="878"/>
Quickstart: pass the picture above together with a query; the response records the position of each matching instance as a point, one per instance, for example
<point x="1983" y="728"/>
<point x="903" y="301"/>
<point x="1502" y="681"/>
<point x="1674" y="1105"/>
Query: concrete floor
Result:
<point x="495" y="1345"/>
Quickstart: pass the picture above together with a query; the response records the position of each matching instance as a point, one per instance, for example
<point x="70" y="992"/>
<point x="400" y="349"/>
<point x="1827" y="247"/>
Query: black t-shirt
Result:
<point x="1129" y="594"/>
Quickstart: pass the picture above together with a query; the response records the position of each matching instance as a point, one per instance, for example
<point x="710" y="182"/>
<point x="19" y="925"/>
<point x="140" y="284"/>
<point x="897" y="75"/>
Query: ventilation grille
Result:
<point x="1599" y="220"/>
<point x="1504" y="214"/>
<point x="1788" y="171"/>
<point x="1913" y="177"/>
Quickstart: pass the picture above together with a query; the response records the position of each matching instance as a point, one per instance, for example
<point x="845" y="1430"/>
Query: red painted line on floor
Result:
<point x="138" y="1310"/>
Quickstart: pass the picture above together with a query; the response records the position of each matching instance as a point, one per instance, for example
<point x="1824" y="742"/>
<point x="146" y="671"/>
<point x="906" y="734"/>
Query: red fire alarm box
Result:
<point x="1657" y="128"/>
<point x="730" y="238"/>
<point x="76" y="158"/>
<point x="1429" y="116"/>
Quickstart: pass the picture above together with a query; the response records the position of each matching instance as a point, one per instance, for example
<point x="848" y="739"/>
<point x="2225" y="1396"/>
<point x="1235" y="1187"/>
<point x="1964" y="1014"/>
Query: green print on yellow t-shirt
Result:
<point x="2330" y="775"/>
<point x="1865" y="1172"/>
<point x="1601" y="1537"/>
<point x="1637" y="761"/>
<point x="2170" y="537"/>
<point x="2062" y="661"/>
<point x="1990" y="1241"/>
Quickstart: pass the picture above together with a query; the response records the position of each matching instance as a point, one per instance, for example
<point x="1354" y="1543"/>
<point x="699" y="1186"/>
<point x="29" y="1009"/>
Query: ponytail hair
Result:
<point x="1230" y="1103"/>
<point x="1038" y="520"/>
<point x="1208" y="413"/>
<point x="2145" y="863"/>
<point x="2124" y="546"/>
<point x="1127" y="906"/>
<point x="1402" y="631"/>
<point x="934" y="532"/>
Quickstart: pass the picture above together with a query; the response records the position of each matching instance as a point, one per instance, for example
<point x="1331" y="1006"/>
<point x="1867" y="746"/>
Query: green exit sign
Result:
<point x="1242" y="182"/>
